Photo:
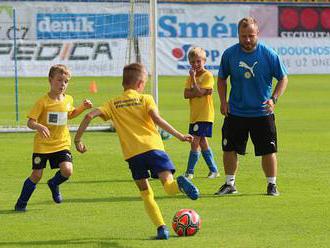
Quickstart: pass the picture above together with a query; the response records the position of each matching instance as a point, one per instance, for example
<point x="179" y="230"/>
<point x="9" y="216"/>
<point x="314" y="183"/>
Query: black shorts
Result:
<point x="262" y="130"/>
<point x="39" y="160"/>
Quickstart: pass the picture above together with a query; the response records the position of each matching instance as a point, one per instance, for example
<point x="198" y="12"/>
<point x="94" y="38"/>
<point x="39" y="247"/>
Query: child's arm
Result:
<point x="44" y="131"/>
<point x="80" y="146"/>
<point x="86" y="104"/>
<point x="159" y="121"/>
<point x="196" y="92"/>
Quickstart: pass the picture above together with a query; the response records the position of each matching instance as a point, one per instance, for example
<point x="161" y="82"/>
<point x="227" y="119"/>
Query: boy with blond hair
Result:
<point x="198" y="89"/>
<point x="52" y="140"/>
<point x="135" y="116"/>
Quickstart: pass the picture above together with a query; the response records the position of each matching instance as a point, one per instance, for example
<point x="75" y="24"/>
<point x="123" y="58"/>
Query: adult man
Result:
<point x="250" y="109"/>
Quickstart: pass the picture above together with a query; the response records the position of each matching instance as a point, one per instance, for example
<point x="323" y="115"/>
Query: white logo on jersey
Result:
<point x="57" y="118"/>
<point x="246" y="66"/>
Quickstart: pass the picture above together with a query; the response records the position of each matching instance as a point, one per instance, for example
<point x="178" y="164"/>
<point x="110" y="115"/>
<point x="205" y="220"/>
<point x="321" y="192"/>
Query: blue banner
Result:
<point x="90" y="26"/>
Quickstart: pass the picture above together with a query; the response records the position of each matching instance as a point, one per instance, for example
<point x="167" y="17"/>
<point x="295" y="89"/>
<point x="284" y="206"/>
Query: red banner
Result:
<point x="304" y="22"/>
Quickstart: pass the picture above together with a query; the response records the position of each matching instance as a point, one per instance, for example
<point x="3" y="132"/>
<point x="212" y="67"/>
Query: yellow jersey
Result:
<point x="202" y="108"/>
<point x="130" y="115"/>
<point x="54" y="115"/>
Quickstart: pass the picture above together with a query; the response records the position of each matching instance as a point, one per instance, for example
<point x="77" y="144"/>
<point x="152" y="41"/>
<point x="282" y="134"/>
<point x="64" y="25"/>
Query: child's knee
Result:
<point x="35" y="177"/>
<point x="66" y="169"/>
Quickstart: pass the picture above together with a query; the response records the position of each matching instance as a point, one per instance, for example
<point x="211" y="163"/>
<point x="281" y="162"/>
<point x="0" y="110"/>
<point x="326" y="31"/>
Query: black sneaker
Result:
<point x="272" y="190"/>
<point x="57" y="197"/>
<point x="20" y="206"/>
<point x="226" y="190"/>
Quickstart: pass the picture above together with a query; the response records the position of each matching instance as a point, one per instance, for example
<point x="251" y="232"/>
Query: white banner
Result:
<point x="301" y="56"/>
<point x="92" y="37"/>
<point x="84" y="58"/>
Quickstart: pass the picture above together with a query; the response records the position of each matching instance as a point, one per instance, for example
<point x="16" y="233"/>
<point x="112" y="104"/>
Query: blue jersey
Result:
<point x="251" y="76"/>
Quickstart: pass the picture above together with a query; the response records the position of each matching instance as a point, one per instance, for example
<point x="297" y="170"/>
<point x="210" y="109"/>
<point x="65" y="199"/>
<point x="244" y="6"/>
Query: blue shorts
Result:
<point x="201" y="129"/>
<point x="154" y="161"/>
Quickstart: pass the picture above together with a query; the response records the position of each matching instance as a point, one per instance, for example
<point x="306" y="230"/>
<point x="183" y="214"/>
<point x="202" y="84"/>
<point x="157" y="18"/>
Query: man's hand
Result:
<point x="224" y="109"/>
<point x="269" y="106"/>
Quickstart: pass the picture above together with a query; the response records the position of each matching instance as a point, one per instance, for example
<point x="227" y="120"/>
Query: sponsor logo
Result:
<point x="90" y="26"/>
<point x="7" y="30"/>
<point x="196" y="127"/>
<point x="171" y="26"/>
<point x="57" y="118"/>
<point x="250" y="68"/>
<point x="47" y="51"/>
<point x="37" y="160"/>
<point x="181" y="55"/>
<point x="304" y="22"/>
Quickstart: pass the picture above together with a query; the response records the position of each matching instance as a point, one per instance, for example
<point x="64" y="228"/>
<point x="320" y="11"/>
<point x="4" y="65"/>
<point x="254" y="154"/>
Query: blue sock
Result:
<point x="209" y="159"/>
<point x="192" y="161"/>
<point x="27" y="190"/>
<point x="58" y="178"/>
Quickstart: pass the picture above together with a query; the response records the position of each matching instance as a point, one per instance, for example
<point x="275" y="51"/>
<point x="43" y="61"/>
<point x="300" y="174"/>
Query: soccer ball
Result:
<point x="165" y="135"/>
<point x="186" y="222"/>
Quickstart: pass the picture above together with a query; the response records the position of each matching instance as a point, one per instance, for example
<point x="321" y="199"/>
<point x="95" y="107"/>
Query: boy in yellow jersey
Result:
<point x="52" y="140"/>
<point x="135" y="117"/>
<point x="198" y="89"/>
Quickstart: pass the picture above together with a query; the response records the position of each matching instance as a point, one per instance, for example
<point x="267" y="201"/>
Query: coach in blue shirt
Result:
<point x="251" y="66"/>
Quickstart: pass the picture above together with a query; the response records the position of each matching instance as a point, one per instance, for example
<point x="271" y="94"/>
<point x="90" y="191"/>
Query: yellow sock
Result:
<point x="151" y="207"/>
<point x="171" y="187"/>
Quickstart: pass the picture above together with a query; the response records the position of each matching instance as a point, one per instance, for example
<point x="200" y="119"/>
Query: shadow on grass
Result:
<point x="233" y="195"/>
<point x="12" y="211"/>
<point x="69" y="242"/>
<point x="101" y="181"/>
<point x="95" y="181"/>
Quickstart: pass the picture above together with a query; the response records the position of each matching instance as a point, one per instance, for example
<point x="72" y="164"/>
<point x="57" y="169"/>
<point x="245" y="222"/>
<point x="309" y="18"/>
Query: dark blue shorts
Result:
<point x="201" y="129"/>
<point x="39" y="160"/>
<point x="155" y="161"/>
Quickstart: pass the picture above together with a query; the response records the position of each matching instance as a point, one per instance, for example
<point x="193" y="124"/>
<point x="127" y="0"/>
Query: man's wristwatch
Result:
<point x="274" y="99"/>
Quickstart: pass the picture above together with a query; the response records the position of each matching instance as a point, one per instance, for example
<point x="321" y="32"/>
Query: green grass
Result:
<point x="102" y="207"/>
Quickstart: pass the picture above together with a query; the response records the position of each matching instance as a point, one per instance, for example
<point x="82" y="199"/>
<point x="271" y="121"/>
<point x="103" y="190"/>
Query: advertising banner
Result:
<point x="84" y="58"/>
<point x="301" y="56"/>
<point x="93" y="40"/>
<point x="304" y="22"/>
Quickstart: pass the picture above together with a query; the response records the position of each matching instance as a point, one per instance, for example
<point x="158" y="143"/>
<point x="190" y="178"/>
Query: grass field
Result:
<point x="102" y="207"/>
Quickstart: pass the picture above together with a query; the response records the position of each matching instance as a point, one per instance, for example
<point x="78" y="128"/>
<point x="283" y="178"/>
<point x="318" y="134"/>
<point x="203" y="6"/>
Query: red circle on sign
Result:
<point x="309" y="18"/>
<point x="325" y="19"/>
<point x="177" y="53"/>
<point x="289" y="18"/>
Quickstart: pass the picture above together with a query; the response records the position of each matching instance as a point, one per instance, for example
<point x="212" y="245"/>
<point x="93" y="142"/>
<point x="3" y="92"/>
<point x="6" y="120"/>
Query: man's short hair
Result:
<point x="247" y="21"/>
<point x="59" y="69"/>
<point x="132" y="73"/>
<point x="196" y="51"/>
